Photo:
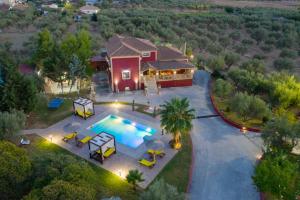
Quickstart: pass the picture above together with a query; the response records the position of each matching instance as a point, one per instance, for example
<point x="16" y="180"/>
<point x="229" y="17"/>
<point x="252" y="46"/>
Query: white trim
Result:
<point x="112" y="75"/>
<point x="139" y="74"/>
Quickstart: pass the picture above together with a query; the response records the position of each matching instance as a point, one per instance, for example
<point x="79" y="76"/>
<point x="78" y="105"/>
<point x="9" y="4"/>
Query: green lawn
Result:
<point x="42" y="117"/>
<point x="176" y="172"/>
<point x="107" y="183"/>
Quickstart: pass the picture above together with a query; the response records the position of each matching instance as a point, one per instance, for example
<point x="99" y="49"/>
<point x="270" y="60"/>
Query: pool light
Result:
<point x="148" y="129"/>
<point x="119" y="119"/>
<point x="133" y="123"/>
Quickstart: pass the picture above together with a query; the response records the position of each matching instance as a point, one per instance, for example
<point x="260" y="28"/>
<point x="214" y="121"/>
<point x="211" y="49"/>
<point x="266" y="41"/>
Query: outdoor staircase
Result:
<point x="150" y="85"/>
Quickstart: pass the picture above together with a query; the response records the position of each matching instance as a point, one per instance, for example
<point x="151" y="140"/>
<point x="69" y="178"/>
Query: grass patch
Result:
<point x="43" y="117"/>
<point x="176" y="172"/>
<point x="107" y="183"/>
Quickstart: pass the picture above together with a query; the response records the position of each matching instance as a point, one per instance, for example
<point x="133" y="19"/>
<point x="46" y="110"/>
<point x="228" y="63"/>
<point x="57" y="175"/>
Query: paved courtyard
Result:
<point x="224" y="158"/>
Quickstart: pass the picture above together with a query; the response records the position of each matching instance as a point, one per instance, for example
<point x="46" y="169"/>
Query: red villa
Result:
<point x="136" y="63"/>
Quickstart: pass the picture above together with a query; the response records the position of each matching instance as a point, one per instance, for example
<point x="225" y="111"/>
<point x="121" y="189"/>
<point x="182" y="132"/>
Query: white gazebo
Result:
<point x="83" y="107"/>
<point x="102" y="146"/>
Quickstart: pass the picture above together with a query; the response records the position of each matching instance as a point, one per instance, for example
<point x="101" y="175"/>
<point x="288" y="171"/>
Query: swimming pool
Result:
<point x="126" y="132"/>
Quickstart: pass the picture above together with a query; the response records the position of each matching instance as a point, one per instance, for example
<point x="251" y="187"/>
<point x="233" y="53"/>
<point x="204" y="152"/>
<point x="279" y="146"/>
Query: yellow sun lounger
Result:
<point x="147" y="163"/>
<point x="84" y="140"/>
<point x="159" y="153"/>
<point x="108" y="152"/>
<point x="70" y="136"/>
<point x="81" y="113"/>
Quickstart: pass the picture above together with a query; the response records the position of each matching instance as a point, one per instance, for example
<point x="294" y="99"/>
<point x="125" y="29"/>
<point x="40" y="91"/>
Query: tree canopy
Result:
<point x="160" y="190"/>
<point x="14" y="169"/>
<point x="278" y="176"/>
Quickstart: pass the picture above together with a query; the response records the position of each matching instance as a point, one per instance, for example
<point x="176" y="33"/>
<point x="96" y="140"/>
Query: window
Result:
<point x="126" y="74"/>
<point x="146" y="54"/>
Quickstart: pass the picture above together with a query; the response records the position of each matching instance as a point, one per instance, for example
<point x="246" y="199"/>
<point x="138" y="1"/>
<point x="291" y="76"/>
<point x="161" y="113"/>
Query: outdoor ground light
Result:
<point x="51" y="137"/>
<point x="244" y="130"/>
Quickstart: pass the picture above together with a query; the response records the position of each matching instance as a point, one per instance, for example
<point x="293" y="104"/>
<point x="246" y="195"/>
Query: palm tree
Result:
<point x="134" y="177"/>
<point x="176" y="118"/>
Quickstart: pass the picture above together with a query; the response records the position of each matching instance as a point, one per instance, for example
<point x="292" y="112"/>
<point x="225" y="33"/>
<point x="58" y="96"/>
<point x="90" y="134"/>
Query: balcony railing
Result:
<point x="170" y="77"/>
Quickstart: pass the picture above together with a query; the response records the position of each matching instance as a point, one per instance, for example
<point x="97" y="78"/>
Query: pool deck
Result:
<point x="126" y="158"/>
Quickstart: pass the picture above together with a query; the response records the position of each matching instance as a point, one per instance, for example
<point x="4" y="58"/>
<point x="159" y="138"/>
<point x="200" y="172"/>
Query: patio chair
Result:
<point x="159" y="153"/>
<point x="70" y="136"/>
<point x="83" y="141"/>
<point x="148" y="163"/>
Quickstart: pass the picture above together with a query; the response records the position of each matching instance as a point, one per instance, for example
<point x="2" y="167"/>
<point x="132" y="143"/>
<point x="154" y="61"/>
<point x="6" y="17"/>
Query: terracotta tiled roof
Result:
<point x="169" y="53"/>
<point x="127" y="46"/>
<point x="164" y="65"/>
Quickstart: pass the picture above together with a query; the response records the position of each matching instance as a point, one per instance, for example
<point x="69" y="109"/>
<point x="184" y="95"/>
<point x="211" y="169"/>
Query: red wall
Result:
<point x="152" y="57"/>
<point x="119" y="64"/>
<point x="177" y="83"/>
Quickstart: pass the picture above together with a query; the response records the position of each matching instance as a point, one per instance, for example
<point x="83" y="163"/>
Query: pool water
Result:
<point x="125" y="131"/>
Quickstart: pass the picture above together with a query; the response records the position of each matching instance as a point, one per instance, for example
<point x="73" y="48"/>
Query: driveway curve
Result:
<point x="224" y="159"/>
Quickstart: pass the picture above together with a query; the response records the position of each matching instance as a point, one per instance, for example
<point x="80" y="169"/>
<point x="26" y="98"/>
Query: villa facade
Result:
<point x="135" y="63"/>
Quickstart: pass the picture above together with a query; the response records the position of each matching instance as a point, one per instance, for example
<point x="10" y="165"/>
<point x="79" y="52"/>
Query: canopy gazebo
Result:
<point x="102" y="146"/>
<point x="83" y="107"/>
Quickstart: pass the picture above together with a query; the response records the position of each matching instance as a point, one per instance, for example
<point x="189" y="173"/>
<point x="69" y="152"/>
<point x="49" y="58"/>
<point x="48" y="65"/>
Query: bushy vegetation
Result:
<point x="237" y="34"/>
<point x="44" y="170"/>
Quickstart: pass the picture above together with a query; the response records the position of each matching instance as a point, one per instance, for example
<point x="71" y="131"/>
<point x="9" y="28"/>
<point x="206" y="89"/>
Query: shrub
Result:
<point x="216" y="63"/>
<point x="284" y="64"/>
<point x="247" y="42"/>
<point x="254" y="65"/>
<point x="161" y="190"/>
<point x="223" y="88"/>
<point x="241" y="49"/>
<point x="15" y="168"/>
<point x="259" y="57"/>
<point x="259" y="35"/>
<point x="277" y="175"/>
<point x="266" y="48"/>
<point x="236" y="35"/>
<point x="11" y="123"/>
<point x="248" y="106"/>
<point x="288" y="53"/>
<point x="214" y="48"/>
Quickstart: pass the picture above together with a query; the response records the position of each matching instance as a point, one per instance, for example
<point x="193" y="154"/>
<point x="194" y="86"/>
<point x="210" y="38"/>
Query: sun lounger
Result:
<point x="70" y="136"/>
<point x="81" y="113"/>
<point x="148" y="163"/>
<point x="108" y="152"/>
<point x="84" y="140"/>
<point x="159" y="153"/>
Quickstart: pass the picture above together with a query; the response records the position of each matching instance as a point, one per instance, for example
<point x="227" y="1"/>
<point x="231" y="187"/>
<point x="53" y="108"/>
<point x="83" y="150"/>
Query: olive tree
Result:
<point x="249" y="106"/>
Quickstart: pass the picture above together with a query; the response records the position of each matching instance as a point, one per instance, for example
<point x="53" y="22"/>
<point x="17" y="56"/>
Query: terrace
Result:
<point x="126" y="157"/>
